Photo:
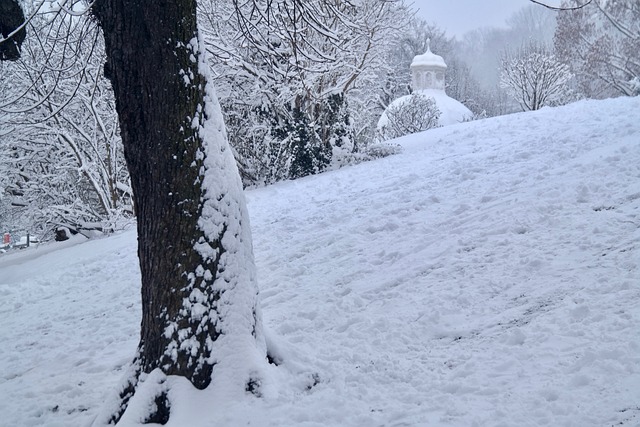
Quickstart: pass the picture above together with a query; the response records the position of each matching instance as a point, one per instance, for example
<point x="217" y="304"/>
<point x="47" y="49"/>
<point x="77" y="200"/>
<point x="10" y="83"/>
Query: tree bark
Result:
<point x="193" y="241"/>
<point x="11" y="18"/>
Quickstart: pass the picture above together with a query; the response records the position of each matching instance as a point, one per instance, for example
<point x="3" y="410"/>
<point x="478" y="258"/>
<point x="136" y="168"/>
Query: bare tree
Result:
<point x="61" y="157"/>
<point x="482" y="49"/>
<point x="533" y="23"/>
<point x="295" y="78"/>
<point x="534" y="77"/>
<point x="409" y="114"/>
<point x="601" y="42"/>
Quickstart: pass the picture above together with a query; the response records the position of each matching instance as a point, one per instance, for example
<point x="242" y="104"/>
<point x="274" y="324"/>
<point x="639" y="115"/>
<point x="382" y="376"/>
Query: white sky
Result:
<point x="459" y="16"/>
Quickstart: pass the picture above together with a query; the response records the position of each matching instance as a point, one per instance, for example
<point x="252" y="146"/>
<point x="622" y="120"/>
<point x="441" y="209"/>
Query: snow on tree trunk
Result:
<point x="201" y="319"/>
<point x="12" y="35"/>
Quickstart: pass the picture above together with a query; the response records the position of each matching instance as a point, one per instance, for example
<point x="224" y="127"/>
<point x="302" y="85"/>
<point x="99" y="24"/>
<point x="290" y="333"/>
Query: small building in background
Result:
<point x="428" y="79"/>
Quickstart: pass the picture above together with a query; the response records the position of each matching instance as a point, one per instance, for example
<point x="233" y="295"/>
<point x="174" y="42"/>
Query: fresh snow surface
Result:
<point x="487" y="276"/>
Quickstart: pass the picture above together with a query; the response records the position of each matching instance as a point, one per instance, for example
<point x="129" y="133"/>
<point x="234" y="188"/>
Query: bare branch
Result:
<point x="558" y="8"/>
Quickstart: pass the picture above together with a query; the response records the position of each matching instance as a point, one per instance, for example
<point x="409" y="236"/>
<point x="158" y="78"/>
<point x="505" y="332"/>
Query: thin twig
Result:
<point x="561" y="7"/>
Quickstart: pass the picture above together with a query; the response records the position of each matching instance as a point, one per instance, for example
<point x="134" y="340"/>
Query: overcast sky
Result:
<point x="459" y="16"/>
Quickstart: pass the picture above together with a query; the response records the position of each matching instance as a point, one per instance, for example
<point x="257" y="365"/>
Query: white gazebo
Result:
<point x="428" y="72"/>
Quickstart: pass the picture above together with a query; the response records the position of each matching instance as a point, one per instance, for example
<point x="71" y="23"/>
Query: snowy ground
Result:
<point x="487" y="276"/>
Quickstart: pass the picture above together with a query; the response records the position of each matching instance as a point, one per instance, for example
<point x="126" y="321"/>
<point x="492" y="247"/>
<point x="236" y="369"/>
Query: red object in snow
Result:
<point x="6" y="239"/>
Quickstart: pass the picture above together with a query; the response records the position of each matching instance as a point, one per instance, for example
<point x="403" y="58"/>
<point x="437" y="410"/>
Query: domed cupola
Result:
<point x="428" y="71"/>
<point x="428" y="80"/>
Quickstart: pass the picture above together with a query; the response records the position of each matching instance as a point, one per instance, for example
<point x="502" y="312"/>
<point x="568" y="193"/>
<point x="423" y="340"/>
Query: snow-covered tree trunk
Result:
<point x="199" y="293"/>
<point x="12" y="33"/>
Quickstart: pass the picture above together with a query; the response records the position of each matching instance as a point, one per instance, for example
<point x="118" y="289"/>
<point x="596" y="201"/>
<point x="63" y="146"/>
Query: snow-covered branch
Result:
<point x="535" y="78"/>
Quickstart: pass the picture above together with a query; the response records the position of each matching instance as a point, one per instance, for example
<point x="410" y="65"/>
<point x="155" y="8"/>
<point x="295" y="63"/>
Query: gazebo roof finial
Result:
<point x="428" y="59"/>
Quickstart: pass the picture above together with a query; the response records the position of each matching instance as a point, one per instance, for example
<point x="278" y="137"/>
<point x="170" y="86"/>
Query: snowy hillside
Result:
<point x="487" y="276"/>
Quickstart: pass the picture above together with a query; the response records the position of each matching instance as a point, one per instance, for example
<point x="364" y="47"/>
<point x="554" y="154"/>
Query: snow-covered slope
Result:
<point x="487" y="276"/>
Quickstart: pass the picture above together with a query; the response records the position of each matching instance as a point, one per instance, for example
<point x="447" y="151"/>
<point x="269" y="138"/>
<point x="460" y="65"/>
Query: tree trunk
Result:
<point x="11" y="17"/>
<point x="198" y="281"/>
